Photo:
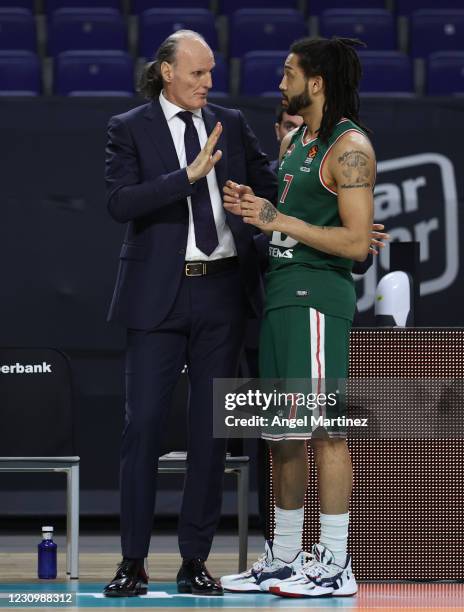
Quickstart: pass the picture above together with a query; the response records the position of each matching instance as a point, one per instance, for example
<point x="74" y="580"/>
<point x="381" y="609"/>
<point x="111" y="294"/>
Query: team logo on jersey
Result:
<point x="281" y="246"/>
<point x="276" y="252"/>
<point x="309" y="159"/>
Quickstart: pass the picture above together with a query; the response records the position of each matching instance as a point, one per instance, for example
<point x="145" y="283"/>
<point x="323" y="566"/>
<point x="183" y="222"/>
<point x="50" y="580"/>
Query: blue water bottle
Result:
<point x="46" y="565"/>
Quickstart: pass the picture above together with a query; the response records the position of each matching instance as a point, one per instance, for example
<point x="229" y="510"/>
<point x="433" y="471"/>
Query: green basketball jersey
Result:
<point x="299" y="274"/>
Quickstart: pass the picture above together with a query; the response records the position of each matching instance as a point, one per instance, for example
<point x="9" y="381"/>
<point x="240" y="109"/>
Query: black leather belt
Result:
<point x="201" y="268"/>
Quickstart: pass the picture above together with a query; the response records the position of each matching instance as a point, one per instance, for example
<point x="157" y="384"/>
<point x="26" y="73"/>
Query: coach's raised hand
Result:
<point x="205" y="159"/>
<point x="233" y="193"/>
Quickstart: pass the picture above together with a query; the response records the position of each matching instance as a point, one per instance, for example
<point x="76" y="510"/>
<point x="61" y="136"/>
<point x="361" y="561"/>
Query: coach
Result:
<point x="188" y="278"/>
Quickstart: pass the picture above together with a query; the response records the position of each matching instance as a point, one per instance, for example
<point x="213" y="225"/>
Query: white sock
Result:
<point x="288" y="533"/>
<point x="334" y="535"/>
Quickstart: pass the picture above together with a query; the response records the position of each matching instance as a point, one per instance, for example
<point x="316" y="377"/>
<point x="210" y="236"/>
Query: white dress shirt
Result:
<point x="226" y="246"/>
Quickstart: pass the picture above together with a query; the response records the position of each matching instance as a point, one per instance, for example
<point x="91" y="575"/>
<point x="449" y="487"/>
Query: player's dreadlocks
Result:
<point x="337" y="62"/>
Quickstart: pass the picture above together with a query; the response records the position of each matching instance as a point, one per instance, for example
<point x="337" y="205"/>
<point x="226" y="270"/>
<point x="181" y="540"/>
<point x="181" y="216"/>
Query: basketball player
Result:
<point x="320" y="227"/>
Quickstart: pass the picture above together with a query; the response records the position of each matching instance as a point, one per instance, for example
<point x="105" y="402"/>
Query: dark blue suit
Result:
<point x="173" y="320"/>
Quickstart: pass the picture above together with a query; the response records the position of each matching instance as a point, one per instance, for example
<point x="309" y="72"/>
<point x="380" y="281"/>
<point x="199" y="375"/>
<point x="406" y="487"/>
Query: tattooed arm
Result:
<point x="350" y="172"/>
<point x="351" y="167"/>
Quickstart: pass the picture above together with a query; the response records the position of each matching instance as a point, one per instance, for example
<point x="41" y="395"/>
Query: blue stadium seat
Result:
<point x="375" y="27"/>
<point x="53" y="5"/>
<point x="101" y="94"/>
<point x="90" y="29"/>
<point x="316" y="7"/>
<point x="433" y="30"/>
<point x="445" y="73"/>
<point x="20" y="73"/>
<point x="261" y="72"/>
<point x="157" y="24"/>
<point x="228" y="7"/>
<point x="91" y="71"/>
<point x="17" y="29"/>
<point x="407" y="7"/>
<point x="266" y="30"/>
<point x="138" y="6"/>
<point x="220" y="75"/>
<point x="26" y="4"/>
<point x="386" y="72"/>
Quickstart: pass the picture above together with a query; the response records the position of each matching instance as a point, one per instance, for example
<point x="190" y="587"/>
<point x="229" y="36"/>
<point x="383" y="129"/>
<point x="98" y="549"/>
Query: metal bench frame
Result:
<point x="70" y="466"/>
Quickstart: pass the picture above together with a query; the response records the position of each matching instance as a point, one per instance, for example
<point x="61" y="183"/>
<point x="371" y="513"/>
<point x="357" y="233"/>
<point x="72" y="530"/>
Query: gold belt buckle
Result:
<point x="199" y="266"/>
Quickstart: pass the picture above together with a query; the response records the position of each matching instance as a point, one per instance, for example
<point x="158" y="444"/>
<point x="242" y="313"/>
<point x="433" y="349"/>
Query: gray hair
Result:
<point x="151" y="81"/>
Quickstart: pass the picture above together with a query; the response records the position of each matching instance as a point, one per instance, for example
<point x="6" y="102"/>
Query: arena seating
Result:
<point x="414" y="47"/>
<point x="17" y="29"/>
<point x="267" y="30"/>
<point x="53" y="5"/>
<point x="87" y="71"/>
<point x="445" y="73"/>
<point x="90" y="29"/>
<point x="436" y="30"/>
<point x="375" y="27"/>
<point x="20" y="73"/>
<point x="407" y="7"/>
<point x="316" y="7"/>
<point x="156" y="24"/>
<point x="386" y="72"/>
<point x="138" y="6"/>
<point x="261" y="72"/>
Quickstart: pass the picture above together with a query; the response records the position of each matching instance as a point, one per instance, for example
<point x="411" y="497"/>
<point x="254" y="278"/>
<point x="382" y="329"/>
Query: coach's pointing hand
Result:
<point x="205" y="159"/>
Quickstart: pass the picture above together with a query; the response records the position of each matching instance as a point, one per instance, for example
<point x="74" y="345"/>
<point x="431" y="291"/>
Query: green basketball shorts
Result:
<point x="299" y="342"/>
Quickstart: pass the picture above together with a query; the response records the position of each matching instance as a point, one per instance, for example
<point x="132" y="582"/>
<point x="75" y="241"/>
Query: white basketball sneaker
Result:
<point x="319" y="577"/>
<point x="266" y="572"/>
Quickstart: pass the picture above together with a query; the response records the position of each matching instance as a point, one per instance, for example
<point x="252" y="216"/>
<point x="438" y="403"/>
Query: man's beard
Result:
<point x="299" y="102"/>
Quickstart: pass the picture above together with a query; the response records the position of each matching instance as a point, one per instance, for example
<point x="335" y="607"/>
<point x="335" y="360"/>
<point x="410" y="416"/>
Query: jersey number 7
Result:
<point x="288" y="178"/>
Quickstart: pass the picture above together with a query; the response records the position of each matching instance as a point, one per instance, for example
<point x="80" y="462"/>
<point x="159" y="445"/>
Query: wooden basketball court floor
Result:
<point x="18" y="576"/>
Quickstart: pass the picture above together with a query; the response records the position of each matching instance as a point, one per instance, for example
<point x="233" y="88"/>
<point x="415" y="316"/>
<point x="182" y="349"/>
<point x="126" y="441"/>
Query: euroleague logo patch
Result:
<point x="309" y="158"/>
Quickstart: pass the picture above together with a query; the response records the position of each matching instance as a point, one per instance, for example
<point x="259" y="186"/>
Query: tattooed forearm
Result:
<point x="324" y="227"/>
<point x="267" y="213"/>
<point x="355" y="168"/>
<point x="354" y="185"/>
<point x="333" y="251"/>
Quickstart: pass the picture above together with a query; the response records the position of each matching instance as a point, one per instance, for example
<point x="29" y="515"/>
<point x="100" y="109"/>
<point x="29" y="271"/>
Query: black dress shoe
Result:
<point x="131" y="580"/>
<point x="193" y="577"/>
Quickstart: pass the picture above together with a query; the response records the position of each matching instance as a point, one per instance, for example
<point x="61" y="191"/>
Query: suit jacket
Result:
<point x="147" y="190"/>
